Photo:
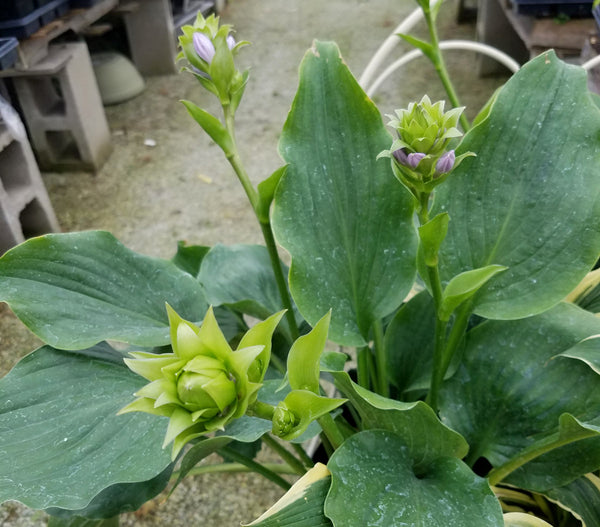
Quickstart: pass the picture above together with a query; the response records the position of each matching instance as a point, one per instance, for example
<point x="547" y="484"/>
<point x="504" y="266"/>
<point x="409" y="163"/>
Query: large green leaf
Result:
<point x="414" y="423"/>
<point x="530" y="200"/>
<point x="373" y="483"/>
<point x="343" y="217"/>
<point x="62" y="442"/>
<point x="75" y="290"/>
<point x="513" y="389"/>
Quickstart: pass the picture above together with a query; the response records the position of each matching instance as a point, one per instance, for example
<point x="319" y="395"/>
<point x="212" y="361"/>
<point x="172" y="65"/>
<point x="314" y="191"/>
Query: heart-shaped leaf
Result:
<point x="339" y="212"/>
<point x="414" y="423"/>
<point x="373" y="483"/>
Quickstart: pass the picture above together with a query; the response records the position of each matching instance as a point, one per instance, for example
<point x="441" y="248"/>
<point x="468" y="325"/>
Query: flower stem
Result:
<point x="285" y="454"/>
<point x="383" y="386"/>
<point x="262" y="410"/>
<point x="255" y="467"/>
<point x="363" y="366"/>
<point x="440" y="66"/>
<point x="234" y="159"/>
<point x="277" y="468"/>
<point x="308" y="462"/>
<point x="331" y="430"/>
<point x="280" y="278"/>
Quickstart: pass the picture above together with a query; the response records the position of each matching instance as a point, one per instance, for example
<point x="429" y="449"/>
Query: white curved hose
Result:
<point x="468" y="45"/>
<point x="592" y="63"/>
<point x="389" y="43"/>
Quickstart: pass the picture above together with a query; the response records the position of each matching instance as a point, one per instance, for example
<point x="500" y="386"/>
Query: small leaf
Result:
<point x="427" y="49"/>
<point x="211" y="125"/>
<point x="432" y="235"/>
<point x="464" y="286"/>
<point x="266" y="193"/>
<point x="303" y="364"/>
<point x="302" y="505"/>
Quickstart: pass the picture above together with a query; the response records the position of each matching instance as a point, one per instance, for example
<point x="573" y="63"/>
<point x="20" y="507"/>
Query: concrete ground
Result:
<point x="182" y="188"/>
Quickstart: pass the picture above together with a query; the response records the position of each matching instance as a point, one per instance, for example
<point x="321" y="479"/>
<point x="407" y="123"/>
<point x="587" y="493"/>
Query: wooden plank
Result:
<point x="35" y="47"/>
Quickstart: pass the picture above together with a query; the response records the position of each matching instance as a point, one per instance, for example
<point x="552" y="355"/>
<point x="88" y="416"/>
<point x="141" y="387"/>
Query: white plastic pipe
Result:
<point x="389" y="43"/>
<point x="592" y="63"/>
<point x="467" y="45"/>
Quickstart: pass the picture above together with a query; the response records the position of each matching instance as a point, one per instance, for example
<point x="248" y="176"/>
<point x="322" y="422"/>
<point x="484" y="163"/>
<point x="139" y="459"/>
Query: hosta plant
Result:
<point x="435" y="328"/>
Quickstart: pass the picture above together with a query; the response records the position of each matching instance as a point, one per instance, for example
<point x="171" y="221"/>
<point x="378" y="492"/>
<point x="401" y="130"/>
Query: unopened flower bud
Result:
<point x="230" y="42"/>
<point x="284" y="421"/>
<point x="445" y="162"/>
<point x="203" y="384"/>
<point x="400" y="156"/>
<point x="411" y="160"/>
<point x="204" y="47"/>
<point x="414" y="159"/>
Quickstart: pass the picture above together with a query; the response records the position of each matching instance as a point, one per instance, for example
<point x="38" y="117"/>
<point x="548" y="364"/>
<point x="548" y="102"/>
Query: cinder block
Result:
<point x="63" y="111"/>
<point x="25" y="209"/>
<point x="151" y="35"/>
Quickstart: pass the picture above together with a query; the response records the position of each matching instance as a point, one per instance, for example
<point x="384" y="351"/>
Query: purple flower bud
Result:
<point x="400" y="156"/>
<point x="414" y="159"/>
<point x="410" y="160"/>
<point x="445" y="162"/>
<point x="230" y="42"/>
<point x="204" y="47"/>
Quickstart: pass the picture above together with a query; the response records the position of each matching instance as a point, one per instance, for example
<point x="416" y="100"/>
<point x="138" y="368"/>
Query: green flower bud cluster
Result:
<point x="421" y="157"/>
<point x="203" y="384"/>
<point x="210" y="50"/>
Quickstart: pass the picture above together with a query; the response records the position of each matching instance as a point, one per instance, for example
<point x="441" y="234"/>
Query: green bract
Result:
<point x="425" y="127"/>
<point x="203" y="384"/>
<point x="421" y="156"/>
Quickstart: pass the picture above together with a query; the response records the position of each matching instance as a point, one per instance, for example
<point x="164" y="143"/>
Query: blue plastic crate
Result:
<point x="83" y="3"/>
<point x="553" y="8"/>
<point x="12" y="9"/>
<point x="8" y="52"/>
<point x="26" y="26"/>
